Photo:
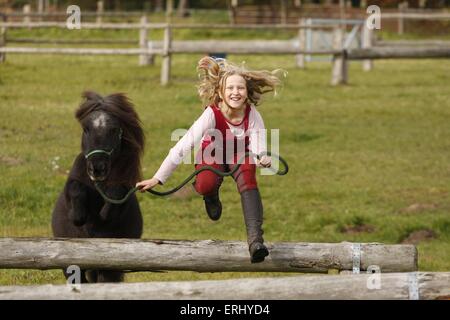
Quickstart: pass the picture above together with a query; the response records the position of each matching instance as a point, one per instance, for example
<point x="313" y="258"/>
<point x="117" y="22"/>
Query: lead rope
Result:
<point x="196" y="172"/>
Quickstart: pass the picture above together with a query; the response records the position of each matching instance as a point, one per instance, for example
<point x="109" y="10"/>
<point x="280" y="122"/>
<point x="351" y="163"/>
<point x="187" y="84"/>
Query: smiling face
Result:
<point x="235" y="92"/>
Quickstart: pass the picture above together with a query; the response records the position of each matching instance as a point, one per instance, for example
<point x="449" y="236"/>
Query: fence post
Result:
<point x="232" y="11"/>
<point x="401" y="23"/>
<point x="2" y="43"/>
<point x="144" y="59"/>
<point x="340" y="64"/>
<point x="309" y="42"/>
<point x="367" y="40"/>
<point x="165" y="66"/>
<point x="100" y="7"/>
<point x="40" y="9"/>
<point x="283" y="11"/>
<point x="169" y="10"/>
<point x="300" y="58"/>
<point x="26" y="13"/>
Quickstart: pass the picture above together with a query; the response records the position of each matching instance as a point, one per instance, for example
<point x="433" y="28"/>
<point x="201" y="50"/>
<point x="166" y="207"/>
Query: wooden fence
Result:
<point x="340" y="60"/>
<point x="202" y="256"/>
<point x="147" y="49"/>
<point x="166" y="48"/>
<point x="222" y="256"/>
<point x="404" y="286"/>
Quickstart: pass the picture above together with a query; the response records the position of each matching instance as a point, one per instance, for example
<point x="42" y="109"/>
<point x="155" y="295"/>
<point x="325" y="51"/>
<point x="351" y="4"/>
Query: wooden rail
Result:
<point x="127" y="26"/>
<point x="399" y="286"/>
<point x="201" y="256"/>
<point x="340" y="60"/>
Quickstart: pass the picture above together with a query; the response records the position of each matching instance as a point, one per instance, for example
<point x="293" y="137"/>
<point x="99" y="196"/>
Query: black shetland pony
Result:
<point x="112" y="145"/>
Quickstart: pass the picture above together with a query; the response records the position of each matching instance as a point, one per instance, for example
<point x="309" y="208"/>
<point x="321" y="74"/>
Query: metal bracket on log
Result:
<point x="413" y="286"/>
<point x="356" y="257"/>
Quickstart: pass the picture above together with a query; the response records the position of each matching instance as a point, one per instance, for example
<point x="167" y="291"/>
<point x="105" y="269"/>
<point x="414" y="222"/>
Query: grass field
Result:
<point x="369" y="162"/>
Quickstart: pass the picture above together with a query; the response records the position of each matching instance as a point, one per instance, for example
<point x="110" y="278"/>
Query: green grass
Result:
<point x="358" y="154"/>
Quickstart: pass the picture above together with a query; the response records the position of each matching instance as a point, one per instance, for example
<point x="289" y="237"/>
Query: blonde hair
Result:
<point x="213" y="74"/>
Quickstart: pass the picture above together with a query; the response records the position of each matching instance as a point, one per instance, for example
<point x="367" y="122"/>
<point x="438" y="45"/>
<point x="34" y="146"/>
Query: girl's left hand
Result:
<point x="265" y="162"/>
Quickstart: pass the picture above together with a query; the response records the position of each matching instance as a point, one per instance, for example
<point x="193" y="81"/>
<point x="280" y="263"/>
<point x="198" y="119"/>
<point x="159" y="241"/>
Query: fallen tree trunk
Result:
<point x="404" y="286"/>
<point x="201" y="255"/>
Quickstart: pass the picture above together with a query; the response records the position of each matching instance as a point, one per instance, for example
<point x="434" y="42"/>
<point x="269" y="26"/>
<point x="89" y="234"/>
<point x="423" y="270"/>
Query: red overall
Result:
<point x="207" y="182"/>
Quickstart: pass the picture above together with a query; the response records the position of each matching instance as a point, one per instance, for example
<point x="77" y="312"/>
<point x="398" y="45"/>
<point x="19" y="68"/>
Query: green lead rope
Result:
<point x="196" y="172"/>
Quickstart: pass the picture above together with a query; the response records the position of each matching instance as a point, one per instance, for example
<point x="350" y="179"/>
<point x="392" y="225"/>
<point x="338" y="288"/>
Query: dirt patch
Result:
<point x="11" y="161"/>
<point x="418" y="236"/>
<point x="419" y="207"/>
<point x="367" y="228"/>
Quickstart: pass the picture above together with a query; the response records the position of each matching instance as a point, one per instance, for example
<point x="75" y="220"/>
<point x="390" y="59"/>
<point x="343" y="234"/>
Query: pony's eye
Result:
<point x="86" y="130"/>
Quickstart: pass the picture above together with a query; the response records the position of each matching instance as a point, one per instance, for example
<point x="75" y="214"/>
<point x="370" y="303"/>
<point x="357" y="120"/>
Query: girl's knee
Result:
<point x="206" y="186"/>
<point x="246" y="186"/>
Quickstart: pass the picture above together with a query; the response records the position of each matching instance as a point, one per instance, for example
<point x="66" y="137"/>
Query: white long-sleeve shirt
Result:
<point x="199" y="132"/>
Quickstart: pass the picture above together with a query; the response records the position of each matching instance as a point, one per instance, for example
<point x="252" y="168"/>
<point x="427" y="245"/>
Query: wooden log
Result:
<point x="438" y="15"/>
<point x="412" y="43"/>
<point x="398" y="286"/>
<point x="399" y="53"/>
<point x="124" y="26"/>
<point x="166" y="59"/>
<point x="417" y="16"/>
<point x="72" y="41"/>
<point x="86" y="25"/>
<point x="126" y="14"/>
<point x="79" y="51"/>
<point x="239" y="47"/>
<point x="157" y="48"/>
<point x="200" y="255"/>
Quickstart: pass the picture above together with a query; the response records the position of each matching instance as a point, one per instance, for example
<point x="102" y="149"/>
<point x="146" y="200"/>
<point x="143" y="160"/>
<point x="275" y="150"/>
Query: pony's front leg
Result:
<point x="109" y="210"/>
<point x="77" y="195"/>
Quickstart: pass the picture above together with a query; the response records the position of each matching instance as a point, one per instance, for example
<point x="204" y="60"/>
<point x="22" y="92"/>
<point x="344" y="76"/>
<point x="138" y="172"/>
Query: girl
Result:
<point x="230" y="93"/>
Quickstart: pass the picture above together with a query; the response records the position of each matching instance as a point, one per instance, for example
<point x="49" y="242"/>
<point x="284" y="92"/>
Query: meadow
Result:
<point x="369" y="162"/>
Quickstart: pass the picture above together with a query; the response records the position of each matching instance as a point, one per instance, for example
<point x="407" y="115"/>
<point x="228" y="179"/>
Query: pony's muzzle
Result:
<point x="98" y="168"/>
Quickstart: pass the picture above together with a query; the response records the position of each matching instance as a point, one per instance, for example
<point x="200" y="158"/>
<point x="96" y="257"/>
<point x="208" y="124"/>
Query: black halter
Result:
<point x="108" y="153"/>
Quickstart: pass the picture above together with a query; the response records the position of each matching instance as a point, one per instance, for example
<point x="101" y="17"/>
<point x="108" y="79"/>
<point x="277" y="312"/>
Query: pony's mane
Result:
<point x="127" y="169"/>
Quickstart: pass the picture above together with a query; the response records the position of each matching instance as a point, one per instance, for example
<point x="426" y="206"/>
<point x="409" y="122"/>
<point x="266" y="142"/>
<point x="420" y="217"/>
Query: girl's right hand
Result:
<point x="264" y="162"/>
<point x="147" y="184"/>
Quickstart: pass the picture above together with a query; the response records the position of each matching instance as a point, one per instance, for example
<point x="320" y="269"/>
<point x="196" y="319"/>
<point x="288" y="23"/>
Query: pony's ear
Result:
<point x="91" y="95"/>
<point x="91" y="100"/>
